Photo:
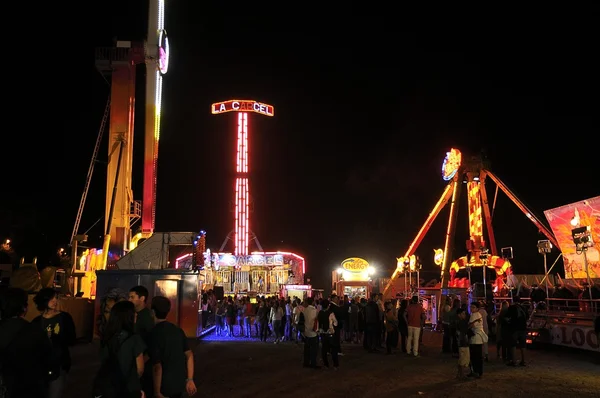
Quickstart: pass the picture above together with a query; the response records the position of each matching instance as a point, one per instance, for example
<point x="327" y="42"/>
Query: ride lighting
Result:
<point x="575" y="221"/>
<point x="582" y="237"/>
<point x="544" y="246"/>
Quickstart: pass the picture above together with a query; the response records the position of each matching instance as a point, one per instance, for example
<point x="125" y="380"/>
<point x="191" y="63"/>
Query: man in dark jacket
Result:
<point x="516" y="317"/>
<point x="338" y="311"/>
<point x="25" y="350"/>
<point x="371" y="324"/>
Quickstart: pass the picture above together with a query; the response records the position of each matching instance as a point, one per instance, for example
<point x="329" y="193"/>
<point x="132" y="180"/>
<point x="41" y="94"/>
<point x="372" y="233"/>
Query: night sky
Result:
<point x="351" y="163"/>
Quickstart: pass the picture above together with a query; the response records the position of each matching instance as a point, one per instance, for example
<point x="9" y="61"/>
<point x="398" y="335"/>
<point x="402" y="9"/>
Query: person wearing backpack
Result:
<point x="122" y="356"/>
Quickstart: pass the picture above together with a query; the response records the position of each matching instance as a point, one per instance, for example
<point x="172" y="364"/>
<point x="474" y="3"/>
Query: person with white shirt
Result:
<point x="275" y="317"/>
<point x="298" y="308"/>
<point x="484" y="318"/>
<point x="311" y="339"/>
<point x="476" y="341"/>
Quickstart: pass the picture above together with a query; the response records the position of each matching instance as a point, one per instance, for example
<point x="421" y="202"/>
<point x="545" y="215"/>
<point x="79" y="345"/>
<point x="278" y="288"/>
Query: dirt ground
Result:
<point x="254" y="369"/>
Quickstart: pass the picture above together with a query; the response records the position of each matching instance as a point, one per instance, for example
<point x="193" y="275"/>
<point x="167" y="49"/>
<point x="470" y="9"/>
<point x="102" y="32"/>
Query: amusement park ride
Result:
<point x="239" y="271"/>
<point x="481" y="252"/>
<point x="118" y="64"/>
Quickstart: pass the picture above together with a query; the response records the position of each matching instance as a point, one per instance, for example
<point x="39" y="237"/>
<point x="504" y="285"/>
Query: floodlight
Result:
<point x="507" y="253"/>
<point x="582" y="237"/>
<point x="544" y="246"/>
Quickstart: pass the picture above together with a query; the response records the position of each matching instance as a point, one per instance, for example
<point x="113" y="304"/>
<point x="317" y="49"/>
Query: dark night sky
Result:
<point x="365" y="111"/>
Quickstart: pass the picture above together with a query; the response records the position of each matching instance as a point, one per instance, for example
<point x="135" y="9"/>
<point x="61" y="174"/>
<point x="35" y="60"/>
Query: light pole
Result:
<point x="413" y="265"/>
<point x="582" y="237"/>
<point x="418" y="266"/>
<point x="484" y="257"/>
<point x="407" y="269"/>
<point x="545" y="247"/>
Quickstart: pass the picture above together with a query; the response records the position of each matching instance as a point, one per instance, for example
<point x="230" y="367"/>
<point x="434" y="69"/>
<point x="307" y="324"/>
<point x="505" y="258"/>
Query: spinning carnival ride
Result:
<point x="482" y="252"/>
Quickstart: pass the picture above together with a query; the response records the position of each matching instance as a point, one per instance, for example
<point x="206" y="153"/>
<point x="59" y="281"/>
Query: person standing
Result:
<point x="171" y="359"/>
<point x="462" y="337"/>
<point x="60" y="329"/>
<point x="327" y="323"/>
<point x="262" y="319"/>
<point x="403" y="324"/>
<point x="415" y="315"/>
<point x="122" y="356"/>
<point x="25" y="351"/>
<point x="144" y="322"/>
<point x="517" y="327"/>
<point x="445" y="321"/>
<point x="486" y="330"/>
<point x="391" y="326"/>
<point x="478" y="337"/>
<point x="311" y="339"/>
<point x="371" y="324"/>
<point x="502" y="335"/>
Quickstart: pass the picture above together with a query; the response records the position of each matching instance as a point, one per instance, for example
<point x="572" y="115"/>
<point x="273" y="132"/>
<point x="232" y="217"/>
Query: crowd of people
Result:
<point x="142" y="354"/>
<point x="329" y="322"/>
<point x="323" y="324"/>
<point x="467" y="332"/>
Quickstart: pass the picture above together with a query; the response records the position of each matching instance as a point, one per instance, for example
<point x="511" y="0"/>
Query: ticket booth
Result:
<point x="353" y="278"/>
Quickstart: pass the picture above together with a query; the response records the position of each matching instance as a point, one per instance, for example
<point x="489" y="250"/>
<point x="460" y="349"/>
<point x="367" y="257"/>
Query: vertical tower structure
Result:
<point x="241" y="232"/>
<point x="119" y="63"/>
<point x="157" y="65"/>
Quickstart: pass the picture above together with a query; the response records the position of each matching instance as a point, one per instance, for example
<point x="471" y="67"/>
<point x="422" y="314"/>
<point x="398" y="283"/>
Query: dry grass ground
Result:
<point x="254" y="369"/>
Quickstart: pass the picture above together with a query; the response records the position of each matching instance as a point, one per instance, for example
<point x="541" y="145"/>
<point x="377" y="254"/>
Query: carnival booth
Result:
<point x="353" y="278"/>
<point x="181" y="287"/>
<point x="300" y="291"/>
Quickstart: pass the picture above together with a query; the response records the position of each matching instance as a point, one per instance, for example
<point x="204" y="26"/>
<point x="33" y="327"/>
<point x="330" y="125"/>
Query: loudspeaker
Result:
<point x="219" y="292"/>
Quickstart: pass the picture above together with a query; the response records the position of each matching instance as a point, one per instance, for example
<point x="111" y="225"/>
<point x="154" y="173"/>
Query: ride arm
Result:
<point x="528" y="213"/>
<point x="423" y="231"/>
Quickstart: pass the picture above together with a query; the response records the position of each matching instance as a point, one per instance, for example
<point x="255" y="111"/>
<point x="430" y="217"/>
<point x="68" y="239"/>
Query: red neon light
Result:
<point x="242" y="106"/>
<point x="242" y="191"/>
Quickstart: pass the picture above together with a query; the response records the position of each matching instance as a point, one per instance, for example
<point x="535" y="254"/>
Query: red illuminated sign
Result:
<point x="242" y="106"/>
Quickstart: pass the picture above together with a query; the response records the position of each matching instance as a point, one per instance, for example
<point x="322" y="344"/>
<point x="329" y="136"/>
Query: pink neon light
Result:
<point x="287" y="254"/>
<point x="242" y="205"/>
<point x="178" y="259"/>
